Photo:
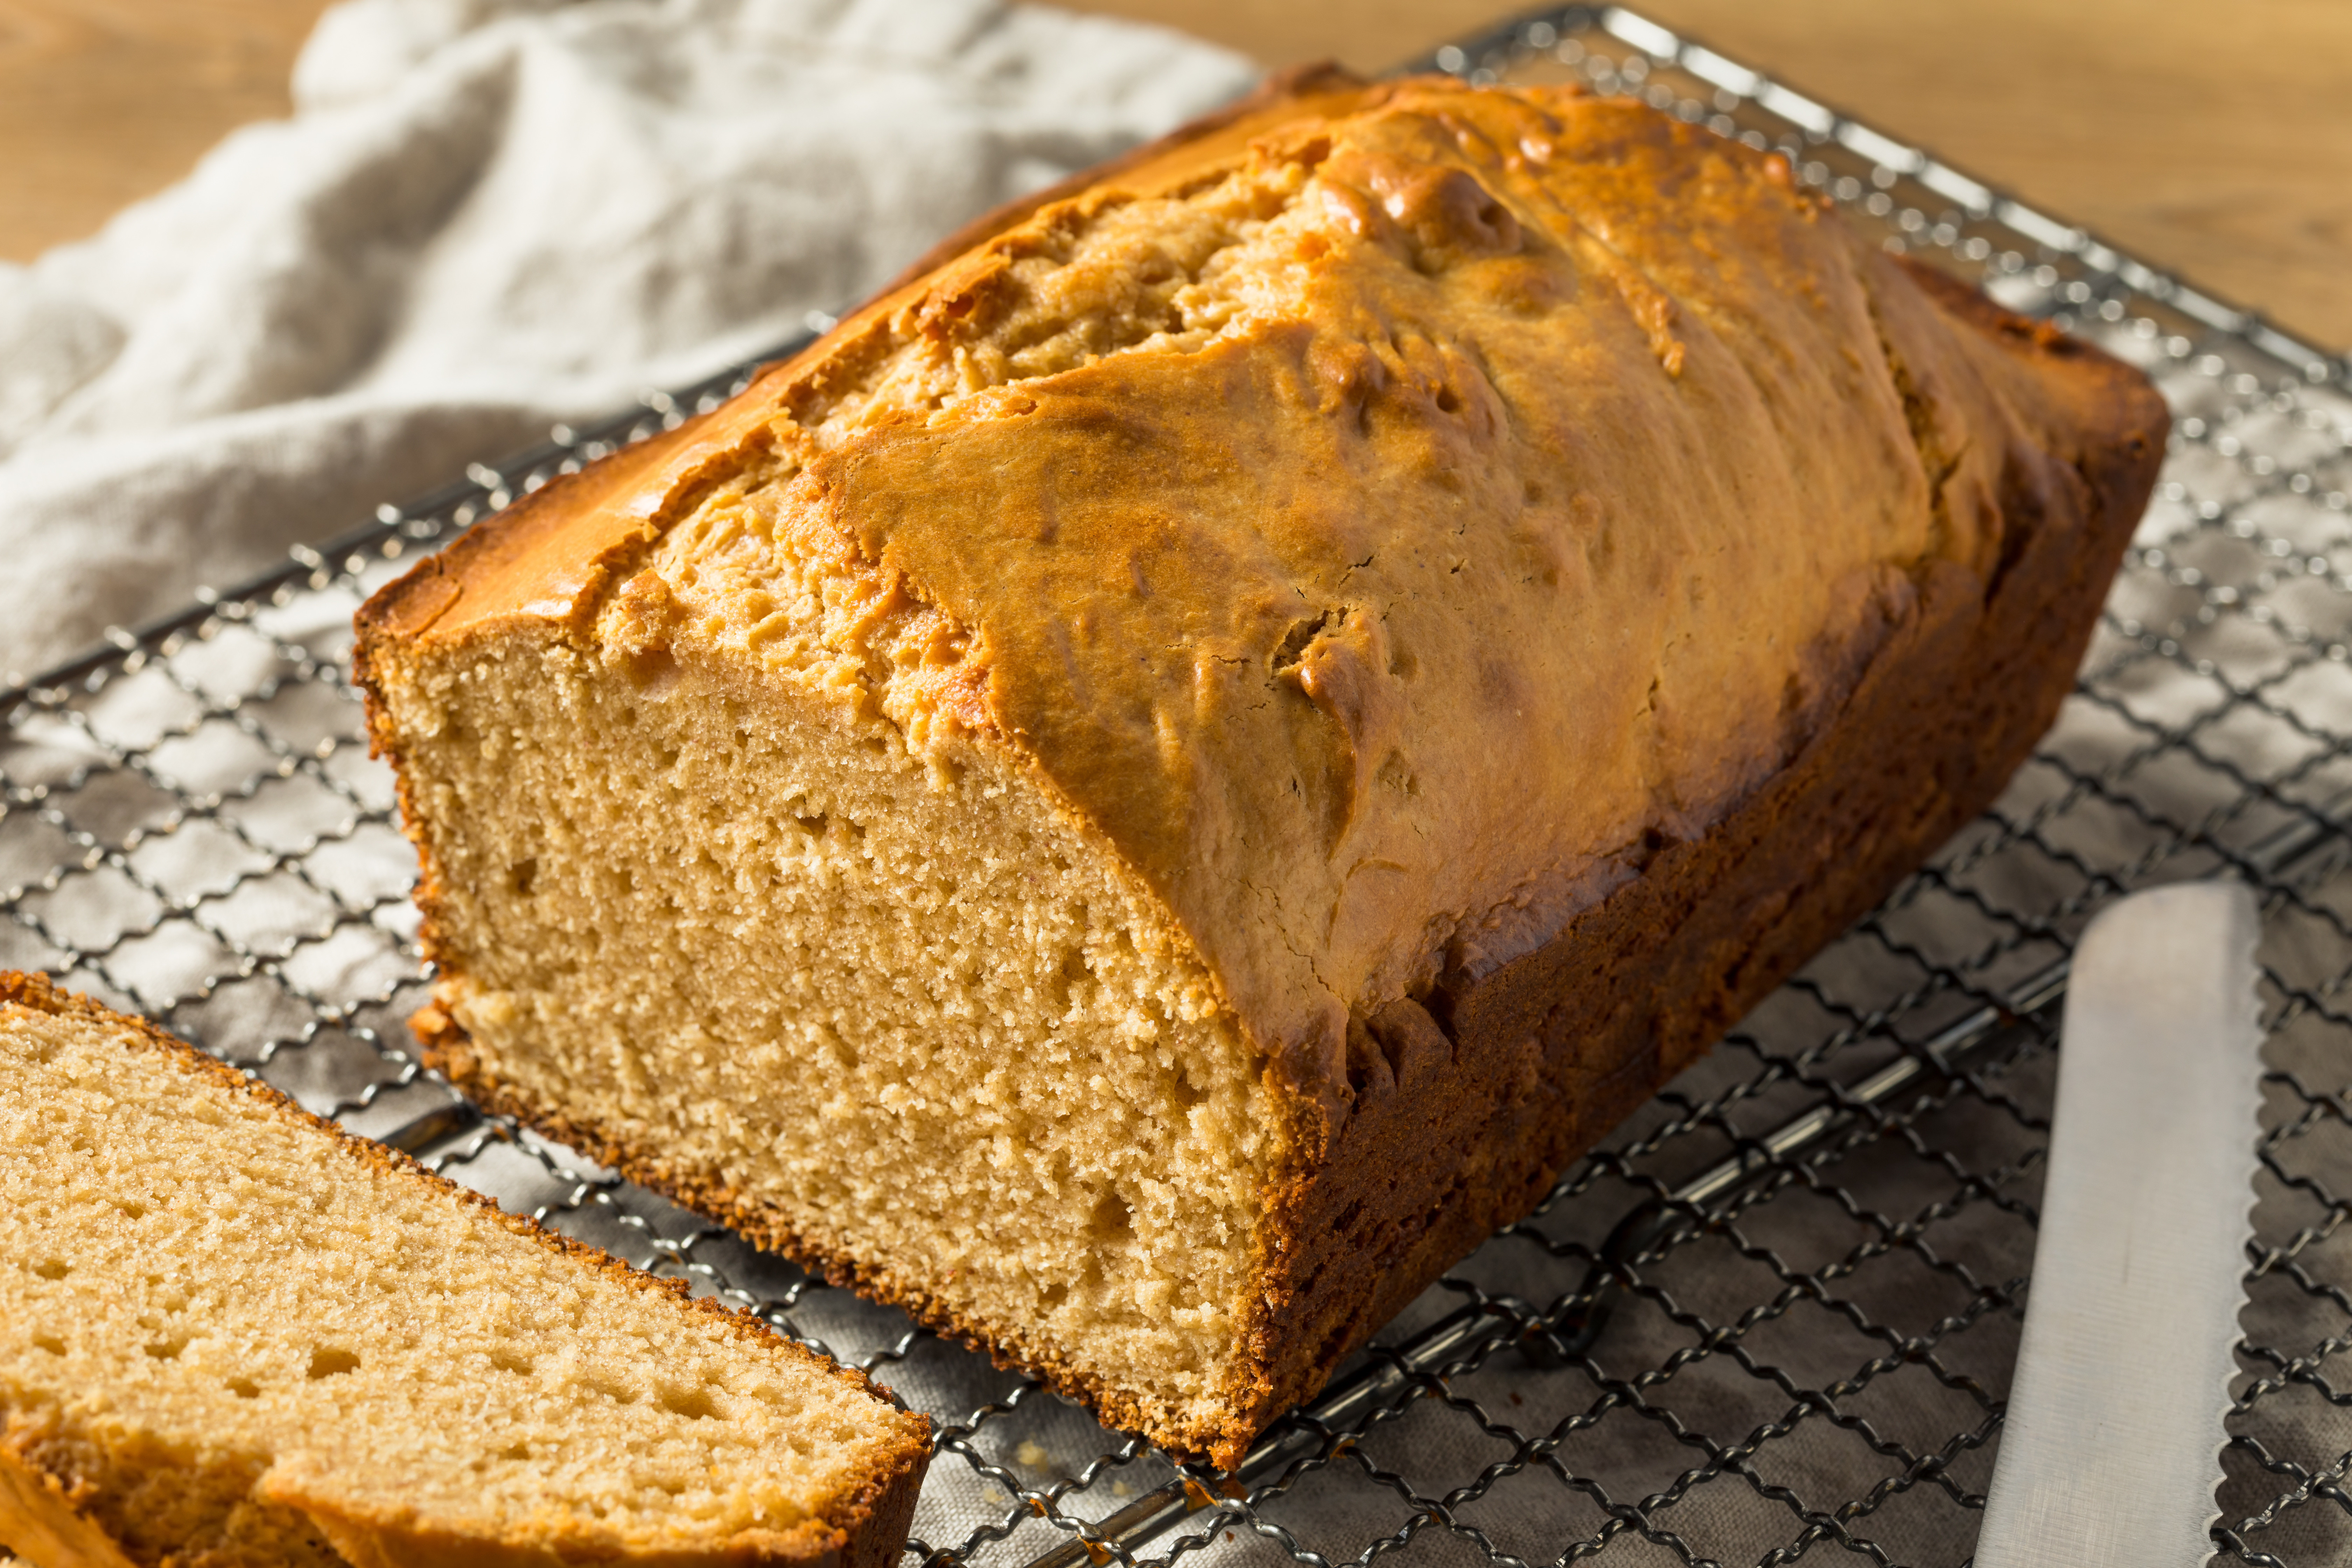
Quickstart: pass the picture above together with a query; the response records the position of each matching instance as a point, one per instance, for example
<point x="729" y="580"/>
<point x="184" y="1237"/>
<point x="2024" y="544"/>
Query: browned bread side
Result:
<point x="1526" y="1064"/>
<point x="88" y="1474"/>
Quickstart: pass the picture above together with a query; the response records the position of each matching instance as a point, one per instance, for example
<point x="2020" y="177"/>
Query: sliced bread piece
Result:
<point x="230" y="1334"/>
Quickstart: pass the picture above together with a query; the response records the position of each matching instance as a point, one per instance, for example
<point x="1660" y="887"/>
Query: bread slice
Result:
<point x="1145" y="793"/>
<point x="231" y="1335"/>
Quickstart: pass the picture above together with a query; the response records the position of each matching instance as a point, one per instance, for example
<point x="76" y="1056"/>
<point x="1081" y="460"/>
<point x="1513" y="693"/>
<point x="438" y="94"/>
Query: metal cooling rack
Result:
<point x="1776" y="1312"/>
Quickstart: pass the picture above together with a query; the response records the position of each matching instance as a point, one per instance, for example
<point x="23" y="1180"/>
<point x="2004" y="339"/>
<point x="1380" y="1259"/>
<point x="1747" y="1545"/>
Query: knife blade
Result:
<point x="2110" y="1447"/>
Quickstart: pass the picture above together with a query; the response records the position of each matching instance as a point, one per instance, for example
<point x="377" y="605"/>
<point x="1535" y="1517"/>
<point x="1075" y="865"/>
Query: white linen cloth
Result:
<point x="485" y="216"/>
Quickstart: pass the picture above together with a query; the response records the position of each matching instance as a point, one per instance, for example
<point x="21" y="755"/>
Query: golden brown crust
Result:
<point x="1774" y="368"/>
<point x="861" y="1529"/>
<point x="1525" y="1067"/>
<point x="549" y="553"/>
<point x="553" y="548"/>
<point x="38" y="1516"/>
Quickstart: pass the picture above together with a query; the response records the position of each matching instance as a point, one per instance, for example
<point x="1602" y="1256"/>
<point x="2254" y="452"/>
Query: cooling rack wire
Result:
<point x="1774" y="1315"/>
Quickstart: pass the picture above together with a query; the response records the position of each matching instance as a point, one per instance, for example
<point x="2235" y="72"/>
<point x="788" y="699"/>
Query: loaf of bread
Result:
<point x="1145" y="793"/>
<point x="232" y="1337"/>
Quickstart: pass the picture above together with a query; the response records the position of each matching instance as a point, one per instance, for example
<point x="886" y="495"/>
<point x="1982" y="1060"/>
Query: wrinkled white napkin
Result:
<point x="488" y="215"/>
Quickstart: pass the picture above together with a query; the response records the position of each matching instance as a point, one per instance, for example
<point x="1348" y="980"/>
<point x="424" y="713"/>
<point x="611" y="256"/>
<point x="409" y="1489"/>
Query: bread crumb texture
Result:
<point x="895" y="993"/>
<point x="229" y="1337"/>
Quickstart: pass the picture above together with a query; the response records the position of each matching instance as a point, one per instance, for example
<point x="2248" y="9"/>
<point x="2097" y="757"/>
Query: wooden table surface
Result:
<point x="2216" y="140"/>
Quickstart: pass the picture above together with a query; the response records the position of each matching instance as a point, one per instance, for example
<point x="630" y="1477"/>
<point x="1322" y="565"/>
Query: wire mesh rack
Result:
<point x="1777" y="1312"/>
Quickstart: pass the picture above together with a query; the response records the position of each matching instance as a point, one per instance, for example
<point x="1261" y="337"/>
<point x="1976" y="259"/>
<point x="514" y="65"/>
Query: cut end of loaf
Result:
<point x="230" y="1334"/>
<point x="883" y="1006"/>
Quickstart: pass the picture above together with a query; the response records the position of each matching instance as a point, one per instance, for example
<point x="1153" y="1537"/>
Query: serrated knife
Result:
<point x="2111" y="1445"/>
